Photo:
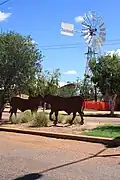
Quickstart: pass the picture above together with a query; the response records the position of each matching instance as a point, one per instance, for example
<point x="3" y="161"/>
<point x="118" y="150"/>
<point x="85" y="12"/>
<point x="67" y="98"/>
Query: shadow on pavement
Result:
<point x="113" y="143"/>
<point x="31" y="176"/>
<point x="73" y="162"/>
<point x="97" y="155"/>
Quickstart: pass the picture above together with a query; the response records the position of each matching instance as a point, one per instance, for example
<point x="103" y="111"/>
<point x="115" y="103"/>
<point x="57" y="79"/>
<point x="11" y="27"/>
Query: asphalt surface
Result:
<point x="27" y="157"/>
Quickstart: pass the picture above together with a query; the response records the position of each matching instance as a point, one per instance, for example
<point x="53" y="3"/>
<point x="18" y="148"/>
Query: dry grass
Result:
<point x="40" y="120"/>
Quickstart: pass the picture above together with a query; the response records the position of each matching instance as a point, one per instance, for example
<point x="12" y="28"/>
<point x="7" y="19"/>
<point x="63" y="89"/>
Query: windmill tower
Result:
<point x="93" y="31"/>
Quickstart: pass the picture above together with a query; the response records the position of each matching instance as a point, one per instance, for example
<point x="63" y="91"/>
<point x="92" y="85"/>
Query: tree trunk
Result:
<point x="112" y="101"/>
<point x="95" y="93"/>
<point x="44" y="107"/>
<point x="2" y="103"/>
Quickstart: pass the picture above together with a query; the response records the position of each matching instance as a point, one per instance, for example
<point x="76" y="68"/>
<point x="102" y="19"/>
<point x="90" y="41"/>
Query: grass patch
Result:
<point x="110" y="131"/>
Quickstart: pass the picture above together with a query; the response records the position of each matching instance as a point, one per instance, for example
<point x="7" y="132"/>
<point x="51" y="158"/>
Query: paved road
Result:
<point x="27" y="157"/>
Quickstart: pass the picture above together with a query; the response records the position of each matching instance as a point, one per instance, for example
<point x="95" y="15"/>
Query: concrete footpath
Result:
<point x="92" y="139"/>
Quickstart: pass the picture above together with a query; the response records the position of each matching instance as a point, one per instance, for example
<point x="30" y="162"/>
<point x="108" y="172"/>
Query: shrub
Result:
<point x="61" y="118"/>
<point x="40" y="120"/>
<point x="68" y="119"/>
<point x="23" y="117"/>
<point x="76" y="120"/>
<point x="26" y="117"/>
<point x="15" y="120"/>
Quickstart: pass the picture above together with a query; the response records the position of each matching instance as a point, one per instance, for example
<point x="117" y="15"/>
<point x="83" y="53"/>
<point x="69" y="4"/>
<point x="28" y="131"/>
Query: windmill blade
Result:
<point x="85" y="25"/>
<point x="86" y="36"/>
<point x="94" y="43"/>
<point x="93" y="31"/>
<point x="102" y="38"/>
<point x="88" y="19"/>
<point x="90" y="15"/>
<point x="102" y="29"/>
<point x="100" y="26"/>
<point x="102" y="34"/>
<point x="85" y="33"/>
<point x="85" y="30"/>
<point x="89" y="39"/>
<point x="98" y="43"/>
<point x="98" y="21"/>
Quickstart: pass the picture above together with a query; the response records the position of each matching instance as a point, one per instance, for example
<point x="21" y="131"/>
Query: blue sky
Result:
<point x="42" y="19"/>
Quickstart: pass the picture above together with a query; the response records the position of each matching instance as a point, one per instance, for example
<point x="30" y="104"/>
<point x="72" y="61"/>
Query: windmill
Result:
<point x="93" y="31"/>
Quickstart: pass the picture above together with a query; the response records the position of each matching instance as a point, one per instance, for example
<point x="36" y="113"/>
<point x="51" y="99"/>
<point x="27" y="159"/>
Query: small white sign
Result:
<point x="67" y="29"/>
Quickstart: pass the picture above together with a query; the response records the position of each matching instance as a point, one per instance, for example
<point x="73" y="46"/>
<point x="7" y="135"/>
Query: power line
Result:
<point x="74" y="44"/>
<point x="72" y="47"/>
<point x="4" y="2"/>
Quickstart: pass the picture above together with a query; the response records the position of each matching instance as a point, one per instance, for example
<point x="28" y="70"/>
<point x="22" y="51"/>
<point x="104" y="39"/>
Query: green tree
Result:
<point x="67" y="90"/>
<point x="20" y="63"/>
<point x="85" y="88"/>
<point x="48" y="82"/>
<point x="106" y="75"/>
<point x="79" y="87"/>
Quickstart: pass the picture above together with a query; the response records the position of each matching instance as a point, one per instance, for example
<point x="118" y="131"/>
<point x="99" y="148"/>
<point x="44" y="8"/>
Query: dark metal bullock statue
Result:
<point x="24" y="104"/>
<point x="70" y="105"/>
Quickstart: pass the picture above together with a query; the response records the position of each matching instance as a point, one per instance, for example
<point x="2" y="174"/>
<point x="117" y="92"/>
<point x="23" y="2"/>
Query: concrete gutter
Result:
<point x="63" y="136"/>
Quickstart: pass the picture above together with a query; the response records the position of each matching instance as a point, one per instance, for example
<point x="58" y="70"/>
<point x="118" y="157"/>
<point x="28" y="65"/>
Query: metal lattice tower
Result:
<point x="93" y="31"/>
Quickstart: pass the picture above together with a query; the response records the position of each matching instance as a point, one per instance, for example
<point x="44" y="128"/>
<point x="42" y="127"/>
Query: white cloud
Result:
<point x="4" y="16"/>
<point x="33" y="42"/>
<point x="70" y="72"/>
<point x="113" y="52"/>
<point x="79" y="19"/>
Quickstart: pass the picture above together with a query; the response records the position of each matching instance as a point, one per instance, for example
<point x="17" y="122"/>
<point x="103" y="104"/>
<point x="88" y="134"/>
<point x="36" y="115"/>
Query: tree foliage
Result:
<point x="106" y="73"/>
<point x="20" y="62"/>
<point x="48" y="82"/>
<point x="79" y="87"/>
<point x="106" y="76"/>
<point x="68" y="90"/>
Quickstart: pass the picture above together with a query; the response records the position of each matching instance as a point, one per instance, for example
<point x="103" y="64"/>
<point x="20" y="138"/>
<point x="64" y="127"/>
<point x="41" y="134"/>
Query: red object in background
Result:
<point x="101" y="106"/>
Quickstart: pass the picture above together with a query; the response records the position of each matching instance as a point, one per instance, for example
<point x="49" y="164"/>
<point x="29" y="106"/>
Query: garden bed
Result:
<point x="41" y="122"/>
